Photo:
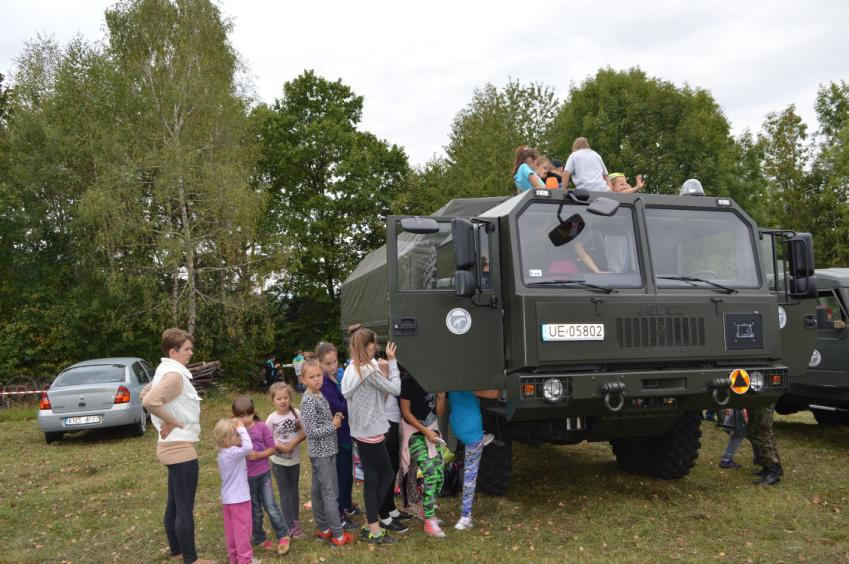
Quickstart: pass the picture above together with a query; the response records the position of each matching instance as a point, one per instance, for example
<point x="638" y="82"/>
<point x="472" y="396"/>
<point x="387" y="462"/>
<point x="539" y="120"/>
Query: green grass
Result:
<point x="99" y="496"/>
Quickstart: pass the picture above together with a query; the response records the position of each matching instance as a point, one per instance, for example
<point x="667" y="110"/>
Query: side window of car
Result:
<point x="147" y="369"/>
<point x="829" y="311"/>
<point x="141" y="375"/>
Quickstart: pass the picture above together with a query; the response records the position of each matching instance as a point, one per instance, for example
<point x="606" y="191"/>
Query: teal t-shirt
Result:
<point x="522" y="177"/>
<point x="466" y="420"/>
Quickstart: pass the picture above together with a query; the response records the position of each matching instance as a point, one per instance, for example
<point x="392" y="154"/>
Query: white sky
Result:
<point x="417" y="64"/>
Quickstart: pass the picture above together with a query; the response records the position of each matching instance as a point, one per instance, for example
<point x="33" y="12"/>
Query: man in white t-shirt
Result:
<point x="585" y="167"/>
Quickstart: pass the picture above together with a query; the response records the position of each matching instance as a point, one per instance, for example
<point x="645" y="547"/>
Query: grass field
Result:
<point x="99" y="496"/>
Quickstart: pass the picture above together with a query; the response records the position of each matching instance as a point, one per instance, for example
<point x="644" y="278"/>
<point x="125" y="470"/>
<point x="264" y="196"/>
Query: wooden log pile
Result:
<point x="204" y="375"/>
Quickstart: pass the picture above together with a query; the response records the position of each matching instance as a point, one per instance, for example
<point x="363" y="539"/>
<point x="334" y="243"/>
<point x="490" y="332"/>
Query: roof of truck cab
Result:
<point x="839" y="277"/>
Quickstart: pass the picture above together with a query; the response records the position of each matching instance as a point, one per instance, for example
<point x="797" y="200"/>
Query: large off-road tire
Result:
<point x="828" y="418"/>
<point x="497" y="459"/>
<point x="670" y="456"/>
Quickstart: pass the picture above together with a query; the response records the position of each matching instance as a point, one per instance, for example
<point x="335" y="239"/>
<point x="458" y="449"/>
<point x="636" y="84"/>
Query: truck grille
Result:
<point x="647" y="332"/>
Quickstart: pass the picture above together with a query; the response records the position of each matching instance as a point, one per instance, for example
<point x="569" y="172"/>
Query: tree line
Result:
<point x="142" y="186"/>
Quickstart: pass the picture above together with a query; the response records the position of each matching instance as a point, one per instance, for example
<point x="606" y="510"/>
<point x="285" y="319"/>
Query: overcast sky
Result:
<point x="417" y="64"/>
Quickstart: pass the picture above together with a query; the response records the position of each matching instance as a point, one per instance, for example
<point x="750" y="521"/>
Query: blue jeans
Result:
<point x="262" y="497"/>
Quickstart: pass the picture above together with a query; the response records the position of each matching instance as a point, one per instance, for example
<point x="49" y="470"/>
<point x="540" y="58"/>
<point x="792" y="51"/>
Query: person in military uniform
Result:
<point x="764" y="446"/>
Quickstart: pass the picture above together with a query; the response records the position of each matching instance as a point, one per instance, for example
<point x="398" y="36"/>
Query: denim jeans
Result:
<point x="262" y="497"/>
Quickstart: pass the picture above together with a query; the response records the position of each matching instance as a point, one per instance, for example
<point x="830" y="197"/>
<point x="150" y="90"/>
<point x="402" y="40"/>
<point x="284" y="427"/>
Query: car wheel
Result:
<point x="140" y="427"/>
<point x="51" y="438"/>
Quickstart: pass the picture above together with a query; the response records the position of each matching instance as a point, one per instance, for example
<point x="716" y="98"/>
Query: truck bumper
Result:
<point x="629" y="394"/>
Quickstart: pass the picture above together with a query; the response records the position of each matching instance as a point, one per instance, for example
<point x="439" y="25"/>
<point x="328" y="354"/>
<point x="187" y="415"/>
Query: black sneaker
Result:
<point x="349" y="525"/>
<point x="382" y="539"/>
<point x="395" y="526"/>
<point x="403" y="515"/>
<point x="352" y="512"/>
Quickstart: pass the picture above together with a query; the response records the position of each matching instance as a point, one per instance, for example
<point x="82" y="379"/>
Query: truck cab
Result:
<point x="600" y="316"/>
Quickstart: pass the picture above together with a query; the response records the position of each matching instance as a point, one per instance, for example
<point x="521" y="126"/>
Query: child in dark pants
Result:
<point x="365" y="388"/>
<point x="320" y="428"/>
<point x="288" y="433"/>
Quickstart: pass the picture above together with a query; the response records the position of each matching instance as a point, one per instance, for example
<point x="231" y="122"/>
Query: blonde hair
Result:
<point x="310" y="362"/>
<point x="361" y="338"/>
<point x="224" y="429"/>
<point x="580" y="143"/>
<point x="281" y="387"/>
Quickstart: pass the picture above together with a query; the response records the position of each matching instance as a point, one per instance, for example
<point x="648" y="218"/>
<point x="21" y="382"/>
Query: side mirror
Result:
<point x="603" y="206"/>
<point x="804" y="287"/>
<point x="465" y="284"/>
<point x="567" y="230"/>
<point x="463" y="235"/>
<point x="801" y="255"/>
<point x="419" y="225"/>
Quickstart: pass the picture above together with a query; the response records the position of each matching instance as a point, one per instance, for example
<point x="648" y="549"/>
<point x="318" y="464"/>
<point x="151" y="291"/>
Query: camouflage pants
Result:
<point x="764" y="447"/>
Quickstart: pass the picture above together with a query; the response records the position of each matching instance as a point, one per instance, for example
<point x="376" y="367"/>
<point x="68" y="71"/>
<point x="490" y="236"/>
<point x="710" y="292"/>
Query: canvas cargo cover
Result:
<point x="365" y="296"/>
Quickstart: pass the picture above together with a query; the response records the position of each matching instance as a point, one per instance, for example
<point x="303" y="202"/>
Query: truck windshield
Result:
<point x="710" y="245"/>
<point x="604" y="254"/>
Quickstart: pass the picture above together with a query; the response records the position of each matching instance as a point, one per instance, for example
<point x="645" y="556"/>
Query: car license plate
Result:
<point x="573" y="332"/>
<point x="82" y="420"/>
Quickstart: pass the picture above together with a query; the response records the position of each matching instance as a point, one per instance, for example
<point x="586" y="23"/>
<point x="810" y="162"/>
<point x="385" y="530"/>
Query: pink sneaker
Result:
<point x="432" y="528"/>
<point x="267" y="545"/>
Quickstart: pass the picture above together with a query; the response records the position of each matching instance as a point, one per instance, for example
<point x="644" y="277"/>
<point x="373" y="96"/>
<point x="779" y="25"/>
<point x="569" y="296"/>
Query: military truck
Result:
<point x="600" y="316"/>
<point x="824" y="388"/>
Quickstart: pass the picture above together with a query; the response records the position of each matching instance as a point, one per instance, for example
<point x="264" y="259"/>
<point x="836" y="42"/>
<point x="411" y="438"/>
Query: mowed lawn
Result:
<point x="99" y="496"/>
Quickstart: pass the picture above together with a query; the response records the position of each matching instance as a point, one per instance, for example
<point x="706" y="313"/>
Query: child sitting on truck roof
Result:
<point x="524" y="175"/>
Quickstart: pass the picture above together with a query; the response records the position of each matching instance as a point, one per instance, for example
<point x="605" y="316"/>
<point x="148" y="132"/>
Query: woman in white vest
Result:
<point x="174" y="406"/>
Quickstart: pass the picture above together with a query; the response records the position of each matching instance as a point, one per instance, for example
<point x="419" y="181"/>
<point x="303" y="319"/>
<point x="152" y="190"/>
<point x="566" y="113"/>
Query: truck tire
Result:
<point x="669" y="457"/>
<point x="497" y="459"/>
<point x="828" y="418"/>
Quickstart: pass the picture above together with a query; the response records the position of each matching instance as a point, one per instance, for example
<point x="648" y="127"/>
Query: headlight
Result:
<point x="757" y="381"/>
<point x="552" y="390"/>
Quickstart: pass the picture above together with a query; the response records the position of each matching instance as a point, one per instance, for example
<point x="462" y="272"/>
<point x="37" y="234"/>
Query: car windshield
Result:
<point x="97" y="374"/>
<point x="689" y="247"/>
<point x="600" y="253"/>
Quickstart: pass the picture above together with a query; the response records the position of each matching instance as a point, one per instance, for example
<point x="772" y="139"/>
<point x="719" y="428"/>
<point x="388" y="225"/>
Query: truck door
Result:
<point x="445" y="341"/>
<point x="829" y="359"/>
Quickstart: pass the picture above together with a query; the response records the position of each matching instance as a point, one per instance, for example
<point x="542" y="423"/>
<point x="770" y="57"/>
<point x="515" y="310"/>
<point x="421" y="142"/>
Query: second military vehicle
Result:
<point x="824" y="388"/>
<point x="599" y="316"/>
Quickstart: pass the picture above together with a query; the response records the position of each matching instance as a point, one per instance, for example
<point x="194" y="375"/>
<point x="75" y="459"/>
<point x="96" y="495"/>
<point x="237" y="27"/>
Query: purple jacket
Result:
<point x="333" y="395"/>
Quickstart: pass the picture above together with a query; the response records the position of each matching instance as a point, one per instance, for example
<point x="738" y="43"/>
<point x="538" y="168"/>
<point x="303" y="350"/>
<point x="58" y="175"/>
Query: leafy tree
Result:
<point x="646" y="125"/>
<point x="485" y="134"/>
<point x="330" y="186"/>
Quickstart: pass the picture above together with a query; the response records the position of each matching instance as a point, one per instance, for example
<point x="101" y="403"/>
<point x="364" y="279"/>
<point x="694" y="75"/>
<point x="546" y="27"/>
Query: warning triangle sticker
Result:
<point x="740" y="381"/>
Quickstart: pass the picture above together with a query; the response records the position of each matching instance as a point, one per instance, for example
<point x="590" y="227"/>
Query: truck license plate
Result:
<point x="82" y="420"/>
<point x="573" y="332"/>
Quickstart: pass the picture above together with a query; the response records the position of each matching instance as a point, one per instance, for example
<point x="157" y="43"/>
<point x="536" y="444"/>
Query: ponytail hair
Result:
<point x="524" y="153"/>
<point x="361" y="338"/>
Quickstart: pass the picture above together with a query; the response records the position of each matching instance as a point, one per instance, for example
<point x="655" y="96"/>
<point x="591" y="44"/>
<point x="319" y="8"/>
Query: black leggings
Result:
<point x="377" y="476"/>
<point x="179" y="512"/>
<point x="393" y="447"/>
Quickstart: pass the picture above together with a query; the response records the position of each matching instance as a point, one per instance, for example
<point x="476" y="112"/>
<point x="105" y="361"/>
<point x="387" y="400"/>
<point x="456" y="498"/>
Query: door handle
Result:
<point x="404" y="327"/>
<point x="810" y="321"/>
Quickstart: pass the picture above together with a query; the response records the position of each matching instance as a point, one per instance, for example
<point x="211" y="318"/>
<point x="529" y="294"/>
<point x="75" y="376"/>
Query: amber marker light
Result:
<point x="528" y="389"/>
<point x="775" y="379"/>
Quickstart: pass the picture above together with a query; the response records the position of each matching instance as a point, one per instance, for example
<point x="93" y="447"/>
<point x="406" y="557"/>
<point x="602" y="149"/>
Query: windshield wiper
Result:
<point x="582" y="283"/>
<point x="692" y="279"/>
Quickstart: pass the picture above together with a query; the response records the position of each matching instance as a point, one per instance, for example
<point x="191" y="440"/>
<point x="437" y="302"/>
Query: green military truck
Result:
<point x="824" y="388"/>
<point x="600" y="316"/>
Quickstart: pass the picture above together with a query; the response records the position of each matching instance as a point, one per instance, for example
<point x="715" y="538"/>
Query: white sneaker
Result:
<point x="464" y="523"/>
<point x="488" y="438"/>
